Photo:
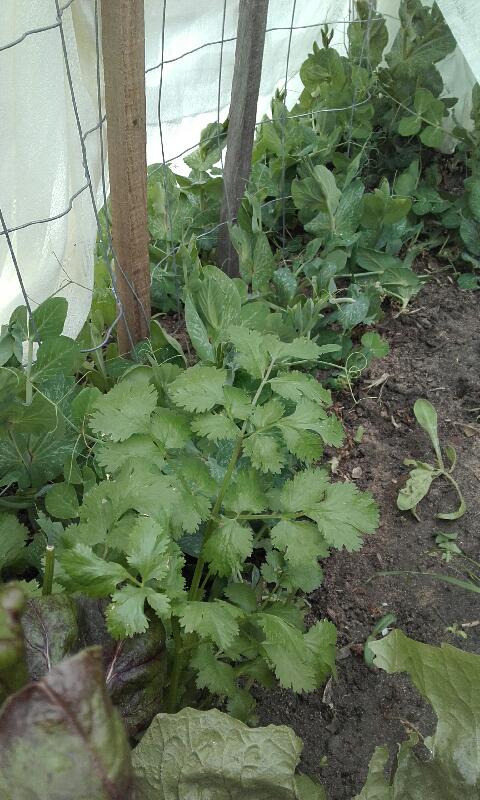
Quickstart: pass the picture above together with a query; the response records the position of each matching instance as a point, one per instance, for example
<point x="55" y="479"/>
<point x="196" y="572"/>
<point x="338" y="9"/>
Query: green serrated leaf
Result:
<point x="198" y="388"/>
<point x="252" y="354"/>
<point x="228" y="547"/>
<point x="246" y="493"/>
<point x="215" y="621"/>
<point x="295" y="385"/>
<point x="126" y="613"/>
<point x="123" y="411"/>
<point x="13" y="537"/>
<point x="88" y="573"/>
<point x="212" y="674"/>
<point x="216" y="427"/>
<point x="147" y="549"/>
<point x="304" y="490"/>
<point x="345" y="515"/>
<point x="285" y="649"/>
<point x="264" y="452"/>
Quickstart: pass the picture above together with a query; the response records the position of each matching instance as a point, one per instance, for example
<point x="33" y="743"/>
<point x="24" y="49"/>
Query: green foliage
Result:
<point x="422" y="475"/>
<point x="211" y="517"/>
<point x="448" y="678"/>
<point x="40" y="416"/>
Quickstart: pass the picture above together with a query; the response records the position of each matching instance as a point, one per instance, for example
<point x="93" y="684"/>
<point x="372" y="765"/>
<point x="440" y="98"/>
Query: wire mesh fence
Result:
<point x="168" y="164"/>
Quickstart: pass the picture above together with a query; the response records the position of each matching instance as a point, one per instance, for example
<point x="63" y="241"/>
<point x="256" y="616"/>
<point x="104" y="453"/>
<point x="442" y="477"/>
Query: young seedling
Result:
<point x="422" y="475"/>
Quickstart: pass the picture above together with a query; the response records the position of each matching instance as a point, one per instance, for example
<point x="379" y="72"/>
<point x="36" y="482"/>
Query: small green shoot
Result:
<point x="422" y="475"/>
<point x="456" y="630"/>
<point x="382" y="627"/>
<point x="447" y="544"/>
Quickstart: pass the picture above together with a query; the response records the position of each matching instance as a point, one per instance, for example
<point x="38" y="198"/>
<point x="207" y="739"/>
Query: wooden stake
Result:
<point x="252" y="23"/>
<point x="123" y="45"/>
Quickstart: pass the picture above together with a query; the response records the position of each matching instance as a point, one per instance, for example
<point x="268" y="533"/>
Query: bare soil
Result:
<point x="435" y="353"/>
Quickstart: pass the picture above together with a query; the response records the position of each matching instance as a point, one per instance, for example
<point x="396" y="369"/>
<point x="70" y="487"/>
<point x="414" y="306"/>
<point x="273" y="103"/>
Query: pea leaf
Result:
<point x="59" y="355"/>
<point x="49" y="318"/>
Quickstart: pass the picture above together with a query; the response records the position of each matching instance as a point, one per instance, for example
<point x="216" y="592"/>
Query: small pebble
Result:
<point x="357" y="472"/>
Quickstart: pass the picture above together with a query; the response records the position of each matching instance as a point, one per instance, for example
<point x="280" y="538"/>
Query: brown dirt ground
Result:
<point x="435" y="353"/>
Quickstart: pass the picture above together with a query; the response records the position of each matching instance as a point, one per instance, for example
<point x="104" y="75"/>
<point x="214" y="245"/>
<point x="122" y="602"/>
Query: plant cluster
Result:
<point x="345" y="189"/>
<point x="195" y="497"/>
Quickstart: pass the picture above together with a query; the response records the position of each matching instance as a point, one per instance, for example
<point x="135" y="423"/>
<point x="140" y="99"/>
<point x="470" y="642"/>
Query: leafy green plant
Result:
<point x="42" y="410"/>
<point x="206" y="463"/>
<point x="423" y="474"/>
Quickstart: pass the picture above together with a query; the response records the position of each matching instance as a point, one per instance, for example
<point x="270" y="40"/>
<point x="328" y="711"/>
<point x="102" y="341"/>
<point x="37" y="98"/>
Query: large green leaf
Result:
<point x="124" y="410"/>
<point x="229" y="761"/>
<point x="448" y="678"/>
<point x="198" y="388"/>
<point x="49" y="318"/>
<point x="81" y="753"/>
<point x="57" y="355"/>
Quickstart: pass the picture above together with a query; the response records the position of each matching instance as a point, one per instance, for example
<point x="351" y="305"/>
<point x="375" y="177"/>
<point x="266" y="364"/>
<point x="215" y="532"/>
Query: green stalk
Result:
<point x="176" y="669"/>
<point x="197" y="575"/>
<point x="49" y="569"/>
<point x="28" y="370"/>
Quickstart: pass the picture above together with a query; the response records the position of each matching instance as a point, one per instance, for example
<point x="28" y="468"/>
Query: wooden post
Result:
<point x="252" y="23"/>
<point x="123" y="45"/>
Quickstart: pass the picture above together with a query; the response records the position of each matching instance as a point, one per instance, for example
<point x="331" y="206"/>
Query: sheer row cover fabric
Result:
<point x="41" y="167"/>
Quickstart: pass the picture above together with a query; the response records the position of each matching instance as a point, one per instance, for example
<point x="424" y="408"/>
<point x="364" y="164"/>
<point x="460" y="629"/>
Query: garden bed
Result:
<point x="434" y="354"/>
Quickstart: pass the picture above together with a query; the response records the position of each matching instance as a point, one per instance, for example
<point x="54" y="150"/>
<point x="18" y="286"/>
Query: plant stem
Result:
<point x="176" y="669"/>
<point x="462" y="507"/>
<point x="192" y="595"/>
<point x="28" y="369"/>
<point x="197" y="575"/>
<point x="49" y="569"/>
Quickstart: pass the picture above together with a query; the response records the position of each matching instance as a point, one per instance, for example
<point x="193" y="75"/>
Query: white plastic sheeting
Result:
<point x="41" y="167"/>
